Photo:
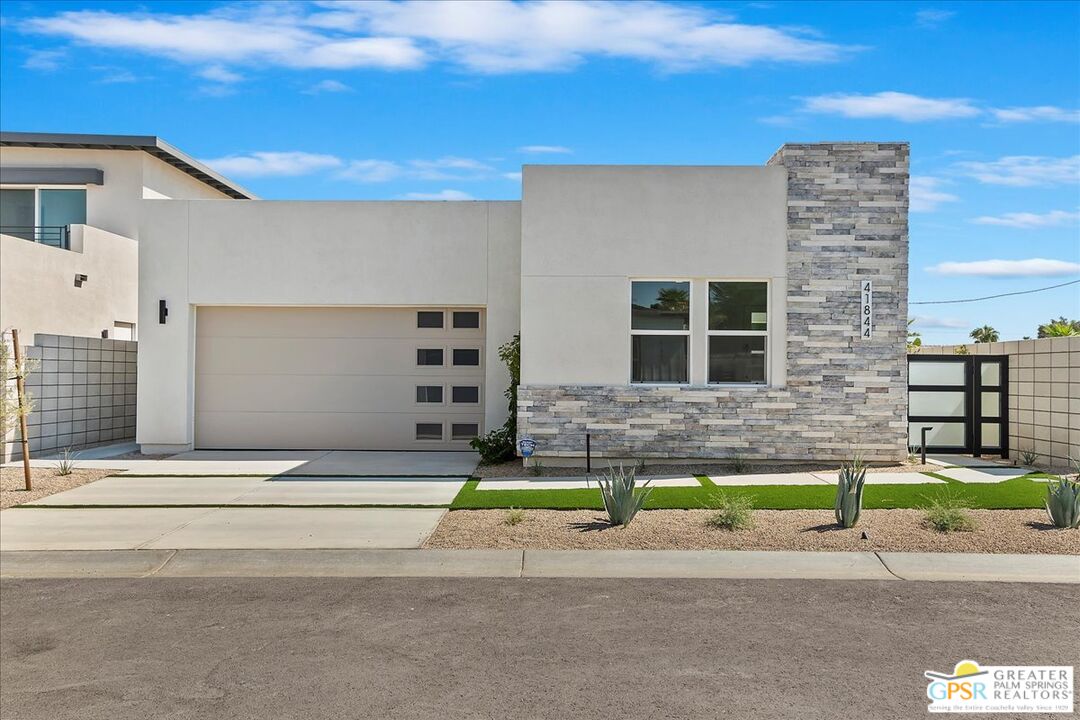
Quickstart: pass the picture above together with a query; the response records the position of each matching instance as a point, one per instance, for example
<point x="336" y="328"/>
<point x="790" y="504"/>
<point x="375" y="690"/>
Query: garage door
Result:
<point x="338" y="378"/>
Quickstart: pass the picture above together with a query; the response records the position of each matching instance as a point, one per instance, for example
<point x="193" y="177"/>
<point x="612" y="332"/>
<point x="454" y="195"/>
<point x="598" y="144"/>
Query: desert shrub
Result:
<point x="849" y="492"/>
<point x="732" y="512"/>
<point x="67" y="463"/>
<point x="514" y="516"/>
<point x="948" y="512"/>
<point x="622" y="497"/>
<point x="1063" y="502"/>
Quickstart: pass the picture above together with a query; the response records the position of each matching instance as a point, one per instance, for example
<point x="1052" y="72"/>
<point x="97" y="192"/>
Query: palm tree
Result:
<point x="985" y="334"/>
<point x="1060" y="328"/>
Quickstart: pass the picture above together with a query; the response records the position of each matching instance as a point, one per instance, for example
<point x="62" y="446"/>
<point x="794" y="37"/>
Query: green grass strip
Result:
<point x="1019" y="493"/>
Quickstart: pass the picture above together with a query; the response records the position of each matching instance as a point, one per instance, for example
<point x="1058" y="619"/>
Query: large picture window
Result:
<point x="738" y="332"/>
<point x="660" y="331"/>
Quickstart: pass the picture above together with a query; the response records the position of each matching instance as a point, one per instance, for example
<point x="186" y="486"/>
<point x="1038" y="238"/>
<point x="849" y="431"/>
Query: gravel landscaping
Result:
<point x="513" y="468"/>
<point x="45" y="482"/>
<point x="998" y="531"/>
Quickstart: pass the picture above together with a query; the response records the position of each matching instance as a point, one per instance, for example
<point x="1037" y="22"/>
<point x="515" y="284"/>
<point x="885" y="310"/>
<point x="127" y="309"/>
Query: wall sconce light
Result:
<point x="104" y="334"/>
<point x="162" y="311"/>
<point x="79" y="279"/>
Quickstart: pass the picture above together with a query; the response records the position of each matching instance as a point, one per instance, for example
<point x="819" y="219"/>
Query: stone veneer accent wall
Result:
<point x="83" y="394"/>
<point x="847" y="221"/>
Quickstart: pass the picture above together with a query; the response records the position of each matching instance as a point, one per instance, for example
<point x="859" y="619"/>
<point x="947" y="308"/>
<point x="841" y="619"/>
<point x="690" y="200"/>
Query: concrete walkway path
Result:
<point x="543" y="563"/>
<point x="43" y="528"/>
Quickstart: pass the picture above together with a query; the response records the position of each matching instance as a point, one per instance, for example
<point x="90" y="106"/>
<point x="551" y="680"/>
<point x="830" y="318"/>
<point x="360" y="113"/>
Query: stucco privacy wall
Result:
<point x="1044" y="395"/>
<point x="846" y="220"/>
<point x="37" y="284"/>
<point x="83" y="393"/>
<point x="388" y="254"/>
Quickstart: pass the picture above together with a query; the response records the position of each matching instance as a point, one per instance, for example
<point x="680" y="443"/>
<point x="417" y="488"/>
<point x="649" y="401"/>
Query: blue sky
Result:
<point x="333" y="100"/>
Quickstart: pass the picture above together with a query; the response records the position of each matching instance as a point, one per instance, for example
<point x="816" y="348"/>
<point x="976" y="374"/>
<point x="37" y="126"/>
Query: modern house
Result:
<point x="69" y="268"/>
<point x="69" y="226"/>
<point x="664" y="312"/>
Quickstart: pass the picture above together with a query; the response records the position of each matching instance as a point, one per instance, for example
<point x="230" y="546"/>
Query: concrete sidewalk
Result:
<point x="544" y="563"/>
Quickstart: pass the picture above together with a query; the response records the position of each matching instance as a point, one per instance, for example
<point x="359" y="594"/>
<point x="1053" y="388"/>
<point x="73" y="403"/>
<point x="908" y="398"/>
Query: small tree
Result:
<point x="14" y="405"/>
<point x="498" y="445"/>
<point x="985" y="334"/>
<point x="1062" y="327"/>
<point x="914" y="338"/>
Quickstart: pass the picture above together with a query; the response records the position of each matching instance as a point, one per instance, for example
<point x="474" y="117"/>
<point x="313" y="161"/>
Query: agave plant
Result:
<point x="849" y="492"/>
<point x="1063" y="502"/>
<point x="622" y="497"/>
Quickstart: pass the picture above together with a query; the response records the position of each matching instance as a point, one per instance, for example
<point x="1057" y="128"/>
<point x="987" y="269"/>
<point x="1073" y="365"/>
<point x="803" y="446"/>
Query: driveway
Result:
<point x="346" y="463"/>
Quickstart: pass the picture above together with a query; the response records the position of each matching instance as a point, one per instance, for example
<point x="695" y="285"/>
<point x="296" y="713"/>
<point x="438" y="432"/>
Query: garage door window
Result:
<point x="468" y="319"/>
<point x="429" y="431"/>
<point x="429" y="319"/>
<point x="466" y="356"/>
<point x="469" y="394"/>
<point x="429" y="393"/>
<point x="430" y="356"/>
<point x="464" y="431"/>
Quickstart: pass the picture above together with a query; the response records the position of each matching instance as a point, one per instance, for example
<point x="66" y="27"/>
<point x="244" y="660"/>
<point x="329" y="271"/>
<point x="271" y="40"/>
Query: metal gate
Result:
<point x="962" y="401"/>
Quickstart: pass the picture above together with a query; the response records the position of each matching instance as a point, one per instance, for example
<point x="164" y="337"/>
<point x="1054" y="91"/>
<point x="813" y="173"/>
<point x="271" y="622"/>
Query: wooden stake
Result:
<point x="21" y="391"/>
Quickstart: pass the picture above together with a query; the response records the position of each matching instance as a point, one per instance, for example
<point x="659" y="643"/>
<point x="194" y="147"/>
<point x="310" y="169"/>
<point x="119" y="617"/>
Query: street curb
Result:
<point x="718" y="564"/>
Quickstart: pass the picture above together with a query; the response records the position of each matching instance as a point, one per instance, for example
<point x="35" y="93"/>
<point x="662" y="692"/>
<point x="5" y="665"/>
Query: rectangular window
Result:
<point x="429" y="319"/>
<point x="123" y="331"/>
<point x="466" y="356"/>
<point x="17" y="213"/>
<point x="464" y="431"/>
<point x="465" y="394"/>
<point x="660" y="331"/>
<point x="467" y="319"/>
<point x="738" y="332"/>
<point x="429" y="393"/>
<point x="429" y="356"/>
<point x="62" y="207"/>
<point x="429" y="431"/>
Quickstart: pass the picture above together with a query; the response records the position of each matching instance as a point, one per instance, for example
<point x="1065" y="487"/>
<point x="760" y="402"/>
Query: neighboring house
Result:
<point x="69" y="226"/>
<point x="668" y="312"/>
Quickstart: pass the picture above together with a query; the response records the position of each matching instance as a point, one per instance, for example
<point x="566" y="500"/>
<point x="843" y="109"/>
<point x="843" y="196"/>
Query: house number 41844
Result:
<point x="866" y="312"/>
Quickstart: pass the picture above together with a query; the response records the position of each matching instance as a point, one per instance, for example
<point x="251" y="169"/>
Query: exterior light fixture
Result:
<point x="79" y="279"/>
<point x="162" y="311"/>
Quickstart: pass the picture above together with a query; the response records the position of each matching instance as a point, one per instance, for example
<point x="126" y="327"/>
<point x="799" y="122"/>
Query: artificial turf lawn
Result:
<point x="1019" y="493"/>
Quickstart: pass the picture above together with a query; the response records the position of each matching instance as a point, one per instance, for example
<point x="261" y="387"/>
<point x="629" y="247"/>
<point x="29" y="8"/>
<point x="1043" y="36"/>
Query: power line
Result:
<point x="991" y="297"/>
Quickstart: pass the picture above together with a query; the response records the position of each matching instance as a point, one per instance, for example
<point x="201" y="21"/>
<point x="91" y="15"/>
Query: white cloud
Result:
<point x="1033" y="267"/>
<point x="44" y="60"/>
<point x="926" y="322"/>
<point x="277" y="164"/>
<point x="926" y="195"/>
<point x="219" y="74"/>
<point x="932" y="18"/>
<point x="516" y="176"/>
<point x="484" y="37"/>
<point x="893" y="105"/>
<point x="1038" y="113"/>
<point x="1024" y="170"/>
<point x="445" y="168"/>
<point x="544" y="150"/>
<point x="441" y="195"/>
<point x="328" y="86"/>
<point x="1054" y="218"/>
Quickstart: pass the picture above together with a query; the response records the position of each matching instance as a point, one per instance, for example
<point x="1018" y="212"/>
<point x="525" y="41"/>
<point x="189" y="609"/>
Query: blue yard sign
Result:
<point x="526" y="445"/>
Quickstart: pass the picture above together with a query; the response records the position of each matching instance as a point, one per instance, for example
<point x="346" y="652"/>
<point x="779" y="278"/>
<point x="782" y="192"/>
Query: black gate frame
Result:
<point x="973" y="389"/>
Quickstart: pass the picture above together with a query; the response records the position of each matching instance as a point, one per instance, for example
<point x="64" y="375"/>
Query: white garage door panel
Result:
<point x="327" y="378"/>
<point x="337" y="393"/>
<point x="327" y="356"/>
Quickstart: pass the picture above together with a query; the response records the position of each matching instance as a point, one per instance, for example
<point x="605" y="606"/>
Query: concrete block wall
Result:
<point x="83" y="393"/>
<point x="847" y="207"/>
<point x="1044" y="395"/>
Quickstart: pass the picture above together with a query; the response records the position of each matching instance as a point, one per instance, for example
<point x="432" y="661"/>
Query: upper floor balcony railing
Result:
<point x="53" y="235"/>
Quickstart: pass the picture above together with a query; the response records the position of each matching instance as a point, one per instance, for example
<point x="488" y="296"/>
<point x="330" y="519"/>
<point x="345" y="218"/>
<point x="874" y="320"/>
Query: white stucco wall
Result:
<point x="587" y="231"/>
<point x="37" y="284"/>
<point x="201" y="252"/>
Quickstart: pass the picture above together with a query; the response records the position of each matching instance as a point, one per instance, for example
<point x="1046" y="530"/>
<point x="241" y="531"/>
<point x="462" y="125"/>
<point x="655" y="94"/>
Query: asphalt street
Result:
<point x="508" y="648"/>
